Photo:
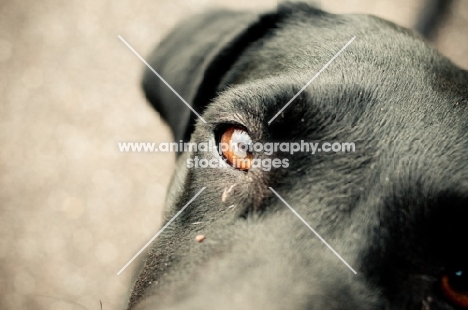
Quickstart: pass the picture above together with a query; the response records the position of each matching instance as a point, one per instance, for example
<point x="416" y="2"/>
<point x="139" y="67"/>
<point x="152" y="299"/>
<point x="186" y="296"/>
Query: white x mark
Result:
<point x="161" y="230"/>
<point x="161" y="78"/>
<point x="312" y="79"/>
<point x="313" y="230"/>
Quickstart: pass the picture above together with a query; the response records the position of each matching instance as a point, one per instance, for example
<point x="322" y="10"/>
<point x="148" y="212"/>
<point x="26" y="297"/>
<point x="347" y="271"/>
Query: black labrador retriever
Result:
<point x="394" y="209"/>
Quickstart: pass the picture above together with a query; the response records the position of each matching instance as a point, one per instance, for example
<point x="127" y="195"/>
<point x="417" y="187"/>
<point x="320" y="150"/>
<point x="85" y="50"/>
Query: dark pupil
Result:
<point x="459" y="281"/>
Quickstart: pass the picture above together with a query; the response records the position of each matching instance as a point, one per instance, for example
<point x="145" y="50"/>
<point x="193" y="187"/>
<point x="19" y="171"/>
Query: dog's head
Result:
<point x="394" y="208"/>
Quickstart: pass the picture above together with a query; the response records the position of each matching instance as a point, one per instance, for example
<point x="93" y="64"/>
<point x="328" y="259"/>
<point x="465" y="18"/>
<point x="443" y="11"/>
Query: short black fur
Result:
<point x="394" y="209"/>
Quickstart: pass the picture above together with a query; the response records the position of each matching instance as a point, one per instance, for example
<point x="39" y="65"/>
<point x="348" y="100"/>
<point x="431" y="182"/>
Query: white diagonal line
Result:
<point x="313" y="230"/>
<point x="161" y="78"/>
<point x="312" y="79"/>
<point x="161" y="230"/>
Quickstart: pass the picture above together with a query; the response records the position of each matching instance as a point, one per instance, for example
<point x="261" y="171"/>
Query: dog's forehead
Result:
<point x="306" y="43"/>
<point x="387" y="74"/>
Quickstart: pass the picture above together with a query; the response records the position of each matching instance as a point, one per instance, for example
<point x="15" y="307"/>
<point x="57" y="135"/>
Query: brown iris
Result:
<point x="455" y="288"/>
<point x="235" y="146"/>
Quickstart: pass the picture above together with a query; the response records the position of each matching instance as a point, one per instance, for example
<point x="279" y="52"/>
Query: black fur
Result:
<point x="395" y="209"/>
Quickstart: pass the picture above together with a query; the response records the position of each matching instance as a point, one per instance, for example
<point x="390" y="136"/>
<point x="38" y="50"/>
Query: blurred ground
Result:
<point x="73" y="210"/>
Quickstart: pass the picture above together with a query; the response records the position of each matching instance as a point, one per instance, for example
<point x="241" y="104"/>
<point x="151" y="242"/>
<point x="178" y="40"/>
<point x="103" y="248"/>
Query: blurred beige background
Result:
<point x="73" y="210"/>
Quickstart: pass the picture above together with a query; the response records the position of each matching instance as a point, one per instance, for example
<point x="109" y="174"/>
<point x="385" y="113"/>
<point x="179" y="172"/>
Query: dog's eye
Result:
<point x="236" y="147"/>
<point x="454" y="285"/>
